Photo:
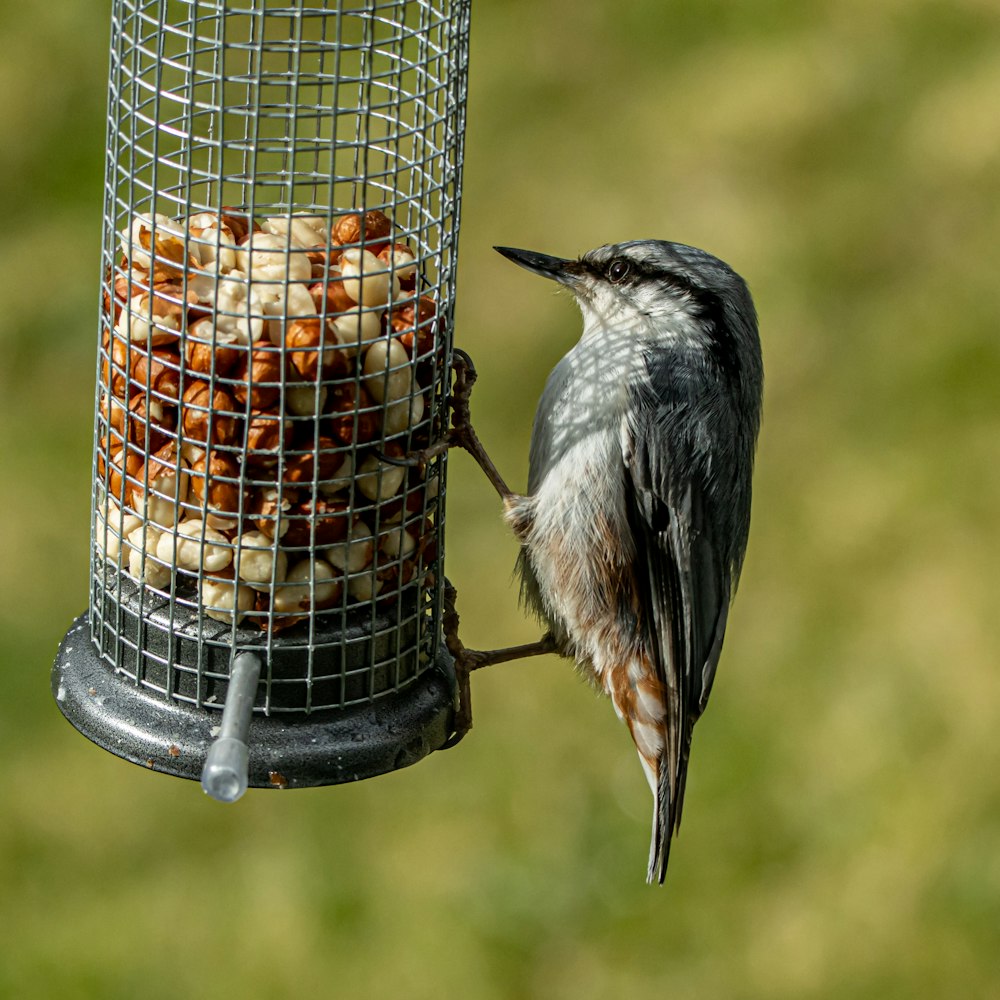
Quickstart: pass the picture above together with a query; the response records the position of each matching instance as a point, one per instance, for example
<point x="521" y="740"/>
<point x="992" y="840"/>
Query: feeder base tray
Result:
<point x="286" y="750"/>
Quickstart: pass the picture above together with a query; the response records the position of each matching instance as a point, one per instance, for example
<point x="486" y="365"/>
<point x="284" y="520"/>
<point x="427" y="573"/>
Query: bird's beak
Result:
<point x="564" y="271"/>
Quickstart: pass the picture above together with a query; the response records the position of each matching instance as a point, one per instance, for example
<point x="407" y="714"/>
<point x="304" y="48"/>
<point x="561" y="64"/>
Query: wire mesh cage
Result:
<point x="281" y="216"/>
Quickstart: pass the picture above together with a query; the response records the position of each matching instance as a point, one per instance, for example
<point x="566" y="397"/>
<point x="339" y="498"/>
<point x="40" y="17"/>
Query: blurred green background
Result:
<point x="842" y="830"/>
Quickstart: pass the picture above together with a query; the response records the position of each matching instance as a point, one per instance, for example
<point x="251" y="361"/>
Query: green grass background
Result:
<point x="842" y="831"/>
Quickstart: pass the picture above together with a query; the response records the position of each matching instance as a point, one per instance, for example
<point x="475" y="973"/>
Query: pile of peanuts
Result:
<point x="254" y="377"/>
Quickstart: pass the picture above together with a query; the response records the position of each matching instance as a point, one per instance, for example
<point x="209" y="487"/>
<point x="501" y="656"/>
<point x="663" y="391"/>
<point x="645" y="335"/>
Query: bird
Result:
<point x="635" y="522"/>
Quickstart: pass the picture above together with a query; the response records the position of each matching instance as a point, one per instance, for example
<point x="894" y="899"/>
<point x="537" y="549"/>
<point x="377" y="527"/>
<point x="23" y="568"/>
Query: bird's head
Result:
<point x="665" y="294"/>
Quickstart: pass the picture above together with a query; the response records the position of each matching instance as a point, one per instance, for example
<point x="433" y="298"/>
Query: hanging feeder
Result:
<point x="281" y="219"/>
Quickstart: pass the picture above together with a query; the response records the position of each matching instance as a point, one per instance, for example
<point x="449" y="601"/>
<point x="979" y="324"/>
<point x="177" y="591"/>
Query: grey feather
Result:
<point x="692" y="427"/>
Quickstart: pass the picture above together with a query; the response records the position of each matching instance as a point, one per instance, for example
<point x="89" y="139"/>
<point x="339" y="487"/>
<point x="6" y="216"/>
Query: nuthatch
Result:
<point x="635" y="522"/>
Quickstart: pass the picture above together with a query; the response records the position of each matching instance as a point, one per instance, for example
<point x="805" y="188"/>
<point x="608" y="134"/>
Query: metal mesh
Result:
<point x="280" y="232"/>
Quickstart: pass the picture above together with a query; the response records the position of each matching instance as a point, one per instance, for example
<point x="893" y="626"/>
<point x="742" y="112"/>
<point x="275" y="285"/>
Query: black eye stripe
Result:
<point x="639" y="272"/>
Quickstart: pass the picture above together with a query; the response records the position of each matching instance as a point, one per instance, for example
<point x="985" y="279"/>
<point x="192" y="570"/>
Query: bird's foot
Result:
<point x="461" y="434"/>
<point x="466" y="660"/>
<point x="475" y="659"/>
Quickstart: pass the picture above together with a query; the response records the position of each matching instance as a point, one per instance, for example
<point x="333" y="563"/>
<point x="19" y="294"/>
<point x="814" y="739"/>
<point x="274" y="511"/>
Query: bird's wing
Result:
<point x="682" y="578"/>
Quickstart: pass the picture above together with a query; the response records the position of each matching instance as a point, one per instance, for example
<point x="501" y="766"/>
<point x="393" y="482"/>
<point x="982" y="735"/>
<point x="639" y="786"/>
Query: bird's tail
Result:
<point x="668" y="800"/>
<point x="659" y="846"/>
<point x="641" y="700"/>
<point x="665" y="812"/>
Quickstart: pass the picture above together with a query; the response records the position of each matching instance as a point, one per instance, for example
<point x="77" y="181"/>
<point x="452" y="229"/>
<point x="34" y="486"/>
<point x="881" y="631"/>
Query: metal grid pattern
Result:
<point x="280" y="231"/>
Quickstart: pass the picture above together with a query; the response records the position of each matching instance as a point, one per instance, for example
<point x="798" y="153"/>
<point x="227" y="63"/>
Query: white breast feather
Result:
<point x="578" y="505"/>
<point x="578" y="511"/>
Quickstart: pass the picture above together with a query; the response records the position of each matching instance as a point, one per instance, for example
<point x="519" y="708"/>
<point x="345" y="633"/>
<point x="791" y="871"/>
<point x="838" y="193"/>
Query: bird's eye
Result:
<point x="618" y="271"/>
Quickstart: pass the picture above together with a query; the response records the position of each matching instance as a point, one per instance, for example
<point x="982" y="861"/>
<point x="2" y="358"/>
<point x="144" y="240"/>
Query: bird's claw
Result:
<point x="412" y="460"/>
<point x="460" y="434"/>
<point x="466" y="660"/>
<point x="474" y="659"/>
<point x="465" y="379"/>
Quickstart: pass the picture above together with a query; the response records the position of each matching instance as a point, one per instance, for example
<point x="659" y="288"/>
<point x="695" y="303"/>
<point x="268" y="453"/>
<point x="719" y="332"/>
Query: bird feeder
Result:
<point x="281" y="217"/>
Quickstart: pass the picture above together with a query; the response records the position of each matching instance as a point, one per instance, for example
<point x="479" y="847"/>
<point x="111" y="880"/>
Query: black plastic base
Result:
<point x="286" y="750"/>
